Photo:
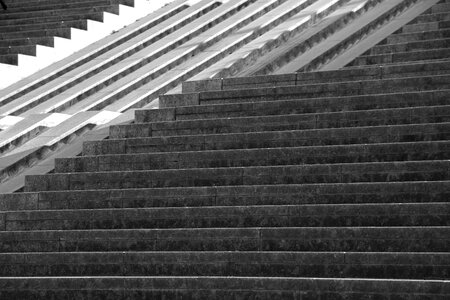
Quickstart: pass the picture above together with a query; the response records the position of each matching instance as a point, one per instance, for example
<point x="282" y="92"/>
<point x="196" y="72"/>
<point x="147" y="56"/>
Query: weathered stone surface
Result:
<point x="375" y="117"/>
<point x="255" y="264"/>
<point x="220" y="288"/>
<point x="317" y="239"/>
<point x="258" y="157"/>
<point x="424" y="214"/>
<point x="434" y="170"/>
<point x="296" y="106"/>
<point x="320" y="185"/>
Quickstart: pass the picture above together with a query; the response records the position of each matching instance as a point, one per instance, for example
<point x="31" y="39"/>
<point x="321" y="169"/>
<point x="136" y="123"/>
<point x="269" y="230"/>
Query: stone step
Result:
<point x="200" y="287"/>
<point x="24" y="3"/>
<point x="273" y="139"/>
<point x="80" y="11"/>
<point x="295" y="106"/>
<point x="44" y="41"/>
<point x="375" y="117"/>
<point x="312" y="90"/>
<point x="80" y="24"/>
<point x="435" y="150"/>
<point x="410" y="46"/>
<point x="432" y="17"/>
<point x="293" y="194"/>
<point x="416" y="36"/>
<point x="441" y="7"/>
<point x="323" y="215"/>
<point x="359" y="239"/>
<point x="325" y="173"/>
<point x="429" y="26"/>
<point x="61" y="31"/>
<point x="402" y="57"/>
<point x="11" y="54"/>
<point x="218" y="288"/>
<point x="49" y="6"/>
<point x="91" y="15"/>
<point x="413" y="69"/>
<point x="264" y="264"/>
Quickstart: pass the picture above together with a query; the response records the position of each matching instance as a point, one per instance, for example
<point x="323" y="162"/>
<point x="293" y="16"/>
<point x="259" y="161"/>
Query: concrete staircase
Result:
<point x="316" y="185"/>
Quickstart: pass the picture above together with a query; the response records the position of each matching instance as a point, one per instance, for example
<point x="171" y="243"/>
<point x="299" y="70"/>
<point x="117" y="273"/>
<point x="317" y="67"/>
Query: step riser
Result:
<point x="325" y="265"/>
<point x="61" y="32"/>
<point x="290" y="216"/>
<point x="80" y="24"/>
<point x="261" y="157"/>
<point x="431" y="26"/>
<point x="334" y="173"/>
<point x="299" y="106"/>
<point x="416" y="69"/>
<point x="335" y="89"/>
<point x="368" y="135"/>
<point x="413" y="46"/>
<point x="218" y="288"/>
<point x="417" y="192"/>
<point x="412" y="37"/>
<point x="402" y="57"/>
<point x="437" y="17"/>
<point x="334" y="239"/>
<point x="381" y="117"/>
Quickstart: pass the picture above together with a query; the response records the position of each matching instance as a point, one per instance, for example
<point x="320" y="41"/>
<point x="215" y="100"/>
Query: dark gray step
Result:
<point x="413" y="69"/>
<point x="302" y="174"/>
<point x="324" y="215"/>
<point x="429" y="26"/>
<point x="411" y="46"/>
<point x="80" y="24"/>
<point x="93" y="15"/>
<point x="332" y="89"/>
<point x="61" y="31"/>
<point x="416" y="36"/>
<point x="436" y="150"/>
<point x="375" y="117"/>
<point x="10" y="59"/>
<point x="358" y="239"/>
<point x="435" y="17"/>
<point x="441" y="7"/>
<point x="11" y="43"/>
<point x="296" y="106"/>
<point x="49" y="6"/>
<point x="272" y="139"/>
<point x="402" y="57"/>
<point x="25" y="3"/>
<point x="81" y="11"/>
<point x="393" y="192"/>
<point x="264" y="264"/>
<point x="14" y="50"/>
<point x="213" y="287"/>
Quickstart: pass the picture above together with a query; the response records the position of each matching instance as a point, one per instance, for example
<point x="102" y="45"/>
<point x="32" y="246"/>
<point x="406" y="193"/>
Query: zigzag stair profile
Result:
<point x="26" y="24"/>
<point x="330" y="184"/>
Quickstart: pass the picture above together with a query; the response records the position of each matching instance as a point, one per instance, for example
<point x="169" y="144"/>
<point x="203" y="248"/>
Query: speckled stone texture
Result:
<point x="309" y="186"/>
